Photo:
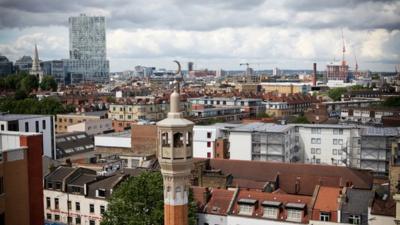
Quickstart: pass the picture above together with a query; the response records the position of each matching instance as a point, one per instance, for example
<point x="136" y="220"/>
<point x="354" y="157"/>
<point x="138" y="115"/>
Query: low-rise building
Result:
<point x="92" y="127"/>
<point x="77" y="195"/>
<point x="252" y="106"/>
<point x="43" y="124"/>
<point x="73" y="143"/>
<point x="369" y="116"/>
<point x="113" y="143"/>
<point x="204" y="113"/>
<point x="63" y="121"/>
<point x="286" y="88"/>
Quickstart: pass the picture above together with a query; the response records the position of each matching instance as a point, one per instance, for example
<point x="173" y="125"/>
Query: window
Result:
<point x="335" y="141"/>
<point x="102" y="209"/>
<point x="48" y="216"/>
<point x="178" y="140"/>
<point x="44" y="124"/>
<point x="57" y="217"/>
<point x="208" y="154"/>
<point x="1" y="156"/>
<point x="91" y="208"/>
<point x="37" y="126"/>
<point x="78" y="220"/>
<point x="208" y="144"/>
<point x="354" y="219"/>
<point x="69" y="205"/>
<point x="56" y="206"/>
<point x="48" y="203"/>
<point x="334" y="151"/>
<point x="77" y="206"/>
<point x="69" y="220"/>
<point x="312" y="150"/>
<point x="49" y="185"/>
<point x="325" y="216"/>
<point x="165" y="140"/>
<point x="340" y="151"/>
<point x="315" y="130"/>
<point x="245" y="209"/>
<point x="92" y="222"/>
<point x="294" y="215"/>
<point x="76" y="190"/>
<point x="58" y="186"/>
<point x="26" y="127"/>
<point x="315" y="140"/>
<point x="101" y="193"/>
<point x="340" y="141"/>
<point x="270" y="212"/>
<point x="2" y="127"/>
<point x="318" y="161"/>
<point x="318" y="151"/>
<point x="1" y="185"/>
<point x="208" y="134"/>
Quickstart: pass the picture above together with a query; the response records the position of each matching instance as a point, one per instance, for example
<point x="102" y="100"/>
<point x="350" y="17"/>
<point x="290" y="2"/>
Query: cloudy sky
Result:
<point x="289" y="34"/>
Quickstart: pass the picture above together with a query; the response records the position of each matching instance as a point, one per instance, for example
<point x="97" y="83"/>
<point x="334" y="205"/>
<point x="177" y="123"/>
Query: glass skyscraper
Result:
<point x="87" y="50"/>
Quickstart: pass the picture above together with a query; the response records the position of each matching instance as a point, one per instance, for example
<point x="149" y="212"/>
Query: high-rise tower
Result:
<point x="175" y="157"/>
<point x="36" y="70"/>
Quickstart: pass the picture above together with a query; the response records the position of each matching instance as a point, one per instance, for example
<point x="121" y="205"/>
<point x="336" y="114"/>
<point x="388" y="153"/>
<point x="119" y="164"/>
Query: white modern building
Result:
<point x="204" y="138"/>
<point x="116" y="139"/>
<point x="43" y="124"/>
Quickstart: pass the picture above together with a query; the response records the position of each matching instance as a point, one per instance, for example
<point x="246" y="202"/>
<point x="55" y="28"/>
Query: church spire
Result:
<point x="35" y="62"/>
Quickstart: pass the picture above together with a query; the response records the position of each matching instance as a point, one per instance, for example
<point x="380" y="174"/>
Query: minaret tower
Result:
<point x="36" y="70"/>
<point x="175" y="158"/>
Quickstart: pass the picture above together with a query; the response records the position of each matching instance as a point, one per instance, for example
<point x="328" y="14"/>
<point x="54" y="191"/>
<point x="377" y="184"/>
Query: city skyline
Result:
<point x="214" y="35"/>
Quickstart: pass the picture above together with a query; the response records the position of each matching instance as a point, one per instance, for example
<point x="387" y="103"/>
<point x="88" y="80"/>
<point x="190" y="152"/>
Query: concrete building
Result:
<point x="92" y="127"/>
<point x="376" y="146"/>
<point x="63" y="121"/>
<point x="77" y="195"/>
<point x="56" y="69"/>
<point x="264" y="142"/>
<point x="286" y="88"/>
<point x="368" y="116"/>
<point x="208" y="139"/>
<point x="87" y="50"/>
<point x="204" y="113"/>
<point x="175" y="155"/>
<point x="249" y="105"/>
<point x="21" y="190"/>
<point x="113" y="143"/>
<point x="329" y="144"/>
<point x="32" y="123"/>
<point x="337" y="72"/>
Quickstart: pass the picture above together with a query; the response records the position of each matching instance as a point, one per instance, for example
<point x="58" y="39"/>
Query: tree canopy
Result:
<point x="49" y="105"/>
<point x="336" y="93"/>
<point x="301" y="119"/>
<point x="48" y="84"/>
<point x="139" y="201"/>
<point x="393" y="101"/>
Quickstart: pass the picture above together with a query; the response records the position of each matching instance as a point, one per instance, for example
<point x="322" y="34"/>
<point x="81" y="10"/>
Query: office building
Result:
<point x="21" y="186"/>
<point x="87" y="49"/>
<point x="6" y="67"/>
<point x="56" y="69"/>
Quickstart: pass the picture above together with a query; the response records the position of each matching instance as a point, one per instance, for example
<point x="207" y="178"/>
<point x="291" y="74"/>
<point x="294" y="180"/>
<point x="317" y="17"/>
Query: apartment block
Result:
<point x="43" y="124"/>
<point x="77" y="195"/>
<point x="21" y="190"/>
<point x="286" y="88"/>
<point x="63" y="121"/>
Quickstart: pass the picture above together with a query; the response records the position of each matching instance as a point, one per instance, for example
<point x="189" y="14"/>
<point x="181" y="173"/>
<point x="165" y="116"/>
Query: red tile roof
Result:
<point x="219" y="202"/>
<point x="327" y="199"/>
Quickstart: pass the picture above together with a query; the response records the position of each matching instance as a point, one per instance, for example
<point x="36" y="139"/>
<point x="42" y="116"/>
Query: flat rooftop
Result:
<point x="126" y="133"/>
<point x="12" y="117"/>
<point x="263" y="127"/>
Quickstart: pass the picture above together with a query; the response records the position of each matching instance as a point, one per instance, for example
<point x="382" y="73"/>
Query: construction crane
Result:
<point x="247" y="67"/>
<point x="356" y="67"/>
<point x="343" y="50"/>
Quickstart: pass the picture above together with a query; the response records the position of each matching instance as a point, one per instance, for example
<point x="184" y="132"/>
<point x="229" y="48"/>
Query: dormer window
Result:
<point x="295" y="211"/>
<point x="271" y="209"/>
<point x="246" y="206"/>
<point x="325" y="216"/>
<point x="101" y="193"/>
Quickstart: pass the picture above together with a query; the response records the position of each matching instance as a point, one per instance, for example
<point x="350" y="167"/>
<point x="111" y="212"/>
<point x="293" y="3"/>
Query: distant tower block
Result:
<point x="36" y="70"/>
<point x="190" y="66"/>
<point x="175" y="156"/>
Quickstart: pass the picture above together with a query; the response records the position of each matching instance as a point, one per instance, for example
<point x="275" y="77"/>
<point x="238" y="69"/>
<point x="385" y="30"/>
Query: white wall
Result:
<point x="84" y="212"/>
<point x="211" y="219"/>
<point x="48" y="132"/>
<point x="92" y="127"/>
<point x="112" y="141"/>
<point x="200" y="141"/>
<point x="240" y="145"/>
<point x="237" y="220"/>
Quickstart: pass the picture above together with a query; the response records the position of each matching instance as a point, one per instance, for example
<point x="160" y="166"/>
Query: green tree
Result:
<point x="393" y="101"/>
<point x="336" y="93"/>
<point x="48" y="84"/>
<point x="28" y="84"/>
<point x="301" y="119"/>
<point x="23" y="105"/>
<point x="139" y="201"/>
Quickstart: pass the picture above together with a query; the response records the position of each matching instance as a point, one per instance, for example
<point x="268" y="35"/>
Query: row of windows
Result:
<point x="78" y="220"/>
<point x="272" y="212"/>
<point x="318" y="131"/>
<point x="36" y="126"/>
<point x="69" y="205"/>
<point x="334" y="141"/>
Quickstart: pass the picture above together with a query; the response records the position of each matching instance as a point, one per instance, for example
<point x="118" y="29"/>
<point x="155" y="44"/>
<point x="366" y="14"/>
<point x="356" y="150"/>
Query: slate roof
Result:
<point x="357" y="201"/>
<point x="60" y="173"/>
